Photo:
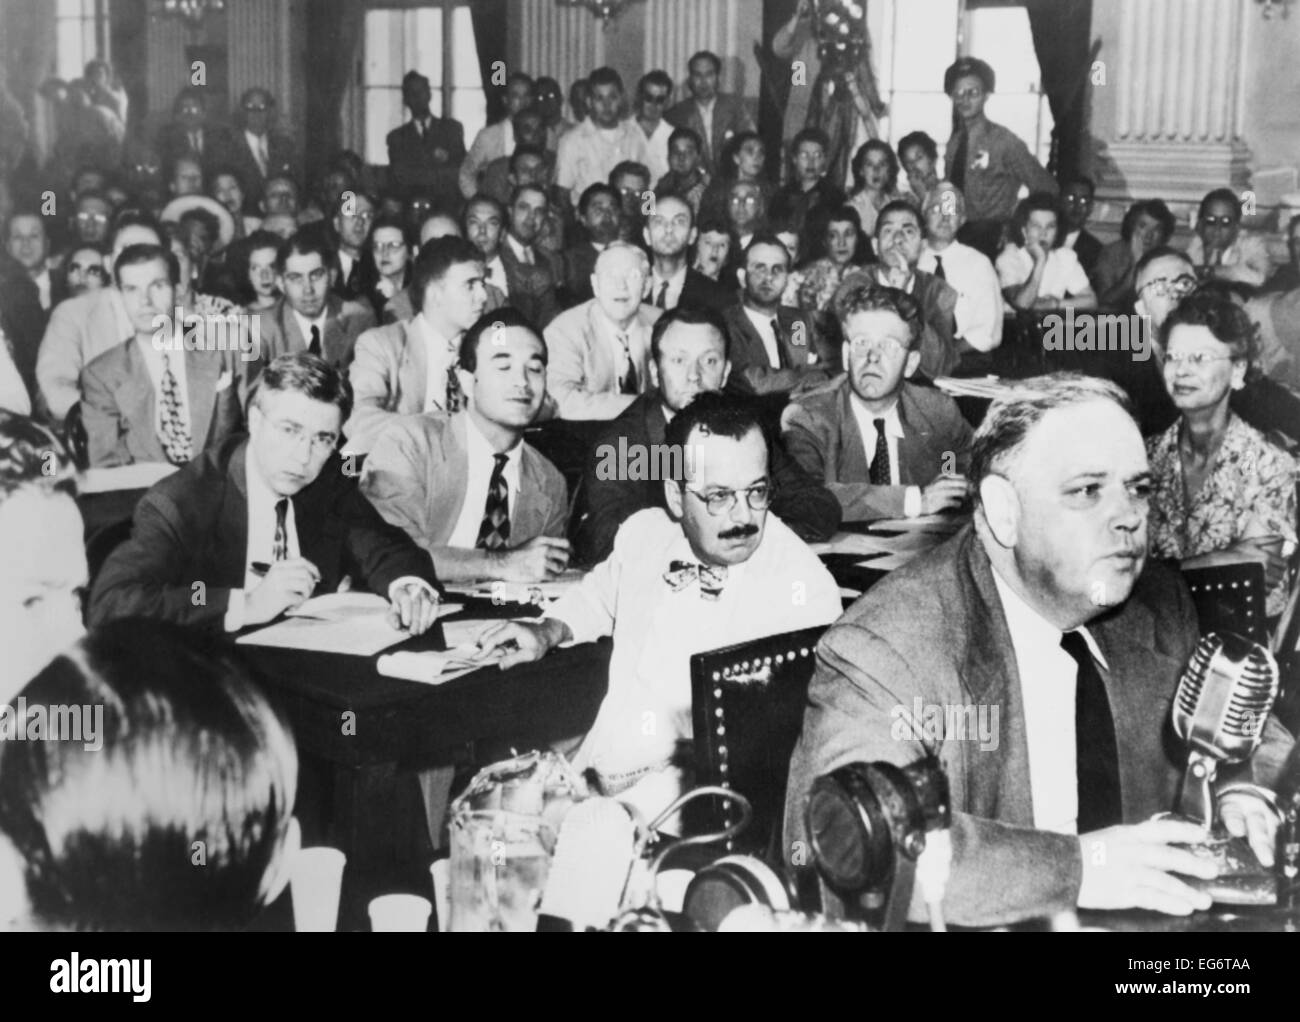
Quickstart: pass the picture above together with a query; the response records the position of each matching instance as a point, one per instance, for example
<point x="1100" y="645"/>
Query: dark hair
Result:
<point x="713" y="223"/>
<point x="519" y="190"/>
<point x="413" y="78"/>
<point x="809" y="135"/>
<point x="206" y="217"/>
<point x="691" y="315"/>
<point x="189" y="92"/>
<point x="767" y="237"/>
<point x="305" y="242"/>
<point x="604" y="76"/>
<point x="965" y="67"/>
<point x="391" y="221"/>
<point x="629" y="167"/>
<point x="661" y="194"/>
<point x="859" y="294"/>
<point x="525" y="149"/>
<point x="898" y="206"/>
<point x="503" y="318"/>
<point x="1037" y="202"/>
<point x="1013" y="415"/>
<point x="482" y="199"/>
<point x="226" y="170"/>
<point x="690" y="135"/>
<point x="191" y="755"/>
<point x="591" y="191"/>
<point x="519" y="76"/>
<point x="708" y="55"/>
<point x="131" y="218"/>
<point x="1219" y="195"/>
<point x="308" y="374"/>
<point x="436" y="257"/>
<point x="1223" y="317"/>
<point x="1154" y="208"/>
<point x="713" y="413"/>
<point x="32" y="456"/>
<point x="1081" y="179"/>
<point x="918" y="138"/>
<point x="135" y="255"/>
<point x="260" y="239"/>
<point x="728" y="165"/>
<point x="860" y="163"/>
<point x="657" y="77"/>
<point x="1161" y="252"/>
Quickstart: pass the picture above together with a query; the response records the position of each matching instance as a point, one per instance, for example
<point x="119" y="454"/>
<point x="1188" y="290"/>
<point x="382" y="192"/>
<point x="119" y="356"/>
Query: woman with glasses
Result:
<point x="1036" y="271"/>
<point x="1221" y="492"/>
<point x="1146" y="226"/>
<point x="390" y="251"/>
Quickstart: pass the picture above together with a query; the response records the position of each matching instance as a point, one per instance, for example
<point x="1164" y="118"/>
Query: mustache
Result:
<point x="739" y="532"/>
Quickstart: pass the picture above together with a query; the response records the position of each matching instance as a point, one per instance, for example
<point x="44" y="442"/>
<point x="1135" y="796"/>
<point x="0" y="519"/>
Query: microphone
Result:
<point x="593" y="857"/>
<point x="1223" y="699"/>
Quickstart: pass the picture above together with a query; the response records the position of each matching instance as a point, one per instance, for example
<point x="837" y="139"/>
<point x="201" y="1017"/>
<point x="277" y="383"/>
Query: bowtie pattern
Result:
<point x="681" y="574"/>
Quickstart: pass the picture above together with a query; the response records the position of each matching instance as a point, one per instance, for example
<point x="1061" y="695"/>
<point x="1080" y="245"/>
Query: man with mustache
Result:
<point x="1047" y="610"/>
<point x="466" y="487"/>
<point x="713" y="569"/>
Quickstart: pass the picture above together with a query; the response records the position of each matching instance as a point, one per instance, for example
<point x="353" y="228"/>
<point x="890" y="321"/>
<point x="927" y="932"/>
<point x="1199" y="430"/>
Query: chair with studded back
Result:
<point x="1230" y="598"/>
<point x="747" y="704"/>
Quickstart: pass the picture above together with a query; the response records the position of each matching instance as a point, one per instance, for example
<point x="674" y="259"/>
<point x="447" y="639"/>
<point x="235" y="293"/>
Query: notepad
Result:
<point x="354" y="624"/>
<point x="139" y="476"/>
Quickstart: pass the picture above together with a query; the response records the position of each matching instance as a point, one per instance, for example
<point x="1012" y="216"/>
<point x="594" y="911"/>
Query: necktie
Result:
<point x="314" y="346"/>
<point x="196" y="142"/>
<point x="627" y="385"/>
<point x="175" y="435"/>
<point x="662" y="300"/>
<point x="280" y="546"/>
<point x="455" y="400"/>
<point x="938" y="268"/>
<point x="781" y="361"/>
<point x="880" y="473"/>
<point x="494" y="533"/>
<point x="681" y="574"/>
<point x="957" y="165"/>
<point x="1096" y="757"/>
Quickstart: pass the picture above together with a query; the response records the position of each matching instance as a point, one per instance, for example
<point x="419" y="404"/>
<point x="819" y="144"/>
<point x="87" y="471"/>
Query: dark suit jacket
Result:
<point x="533" y="286"/>
<point x="344" y="323"/>
<point x="428" y="163"/>
<point x="609" y="498"/>
<point x="119" y="410"/>
<point x="193" y="527"/>
<point x="730" y="118"/>
<point x="22" y="319"/>
<point x="1087" y="248"/>
<point x="579" y="265"/>
<point x="281" y="159"/>
<point x="797" y="341"/>
<point x="356" y="285"/>
<point x="174" y="142"/>
<point x="821" y="432"/>
<point x="934" y="631"/>
<point x="701" y="292"/>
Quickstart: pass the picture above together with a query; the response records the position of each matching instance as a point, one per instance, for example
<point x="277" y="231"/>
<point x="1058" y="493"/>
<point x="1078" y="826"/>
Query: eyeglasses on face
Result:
<point x="1164" y="287"/>
<point x="385" y="247"/>
<point x="718" y="502"/>
<point x="1218" y="221"/>
<point x="877" y="346"/>
<point x="294" y="434"/>
<point x="968" y="94"/>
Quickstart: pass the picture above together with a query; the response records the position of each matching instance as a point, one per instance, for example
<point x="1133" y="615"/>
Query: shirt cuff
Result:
<point x="912" y="502"/>
<point x="406" y="580"/>
<point x="235" y="611"/>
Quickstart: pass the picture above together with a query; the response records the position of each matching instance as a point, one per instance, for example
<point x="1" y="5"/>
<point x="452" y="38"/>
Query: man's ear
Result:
<point x="690" y="238"/>
<point x="653" y="367"/>
<point x="466" y="380"/>
<point x="912" y="364"/>
<point x="1001" y="506"/>
<point x="645" y="233"/>
<point x="741" y="277"/>
<point x="673" y="497"/>
<point x="279" y="869"/>
<point x="726" y="374"/>
<point x="334" y="272"/>
<point x="875" y="245"/>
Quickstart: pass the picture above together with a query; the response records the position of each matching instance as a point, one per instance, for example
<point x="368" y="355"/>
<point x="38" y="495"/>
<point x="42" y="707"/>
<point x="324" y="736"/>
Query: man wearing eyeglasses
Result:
<point x="260" y="525"/>
<point x="355" y="275"/>
<point x="653" y="94"/>
<point x="261" y="152"/>
<point x="1222" y="249"/>
<point x="712" y="570"/>
<point x="885" y="447"/>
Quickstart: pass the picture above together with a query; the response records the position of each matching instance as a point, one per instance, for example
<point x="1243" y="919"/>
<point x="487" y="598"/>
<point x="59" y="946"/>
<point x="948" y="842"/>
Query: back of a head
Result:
<point x="31" y="456"/>
<point x="436" y="257"/>
<point x="715" y="413"/>
<point x="172" y="808"/>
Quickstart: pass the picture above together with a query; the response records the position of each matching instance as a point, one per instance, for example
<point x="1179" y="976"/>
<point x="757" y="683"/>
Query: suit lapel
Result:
<point x="795" y="355"/>
<point x="852" y="449"/>
<point x="334" y="343"/>
<point x="452" y="479"/>
<point x="202" y="374"/>
<point x="413" y="372"/>
<point x="754" y="354"/>
<point x="296" y="342"/>
<point x="602" y="373"/>
<point x="914" y="468"/>
<point x="231" y="541"/>
<point x="528" y="515"/>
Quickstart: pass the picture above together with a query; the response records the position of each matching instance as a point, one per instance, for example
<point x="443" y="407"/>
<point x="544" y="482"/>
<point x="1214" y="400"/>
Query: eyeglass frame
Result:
<point x="732" y="496"/>
<point x="1169" y="281"/>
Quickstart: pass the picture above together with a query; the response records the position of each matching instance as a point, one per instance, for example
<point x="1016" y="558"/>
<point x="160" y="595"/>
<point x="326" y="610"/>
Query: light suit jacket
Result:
<point x="582" y="374"/>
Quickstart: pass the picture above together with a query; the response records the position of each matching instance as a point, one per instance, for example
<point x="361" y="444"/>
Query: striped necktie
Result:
<point x="176" y="440"/>
<point x="494" y="532"/>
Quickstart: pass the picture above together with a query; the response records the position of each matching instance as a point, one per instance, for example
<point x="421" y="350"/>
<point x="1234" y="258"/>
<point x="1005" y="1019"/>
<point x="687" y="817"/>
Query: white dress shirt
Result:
<point x="440" y="355"/>
<point x="258" y="147"/>
<point x="587" y="154"/>
<point x="345" y="264"/>
<point x="705" y="111"/>
<point x="305" y="325"/>
<point x="980" y="307"/>
<point x="495" y="273"/>
<point x="771" y="345"/>
<point x="153" y="360"/>
<point x="638" y="344"/>
<point x="657" y="146"/>
<point x="13" y="392"/>
<point x="522" y="252"/>
<point x="647" y="710"/>
<point x="43" y="284"/>
<point x="1063" y="275"/>
<point x="478" y="470"/>
<point x="675" y="284"/>
<point x="261" y="538"/>
<point x="893" y="433"/>
<point x="1048" y="682"/>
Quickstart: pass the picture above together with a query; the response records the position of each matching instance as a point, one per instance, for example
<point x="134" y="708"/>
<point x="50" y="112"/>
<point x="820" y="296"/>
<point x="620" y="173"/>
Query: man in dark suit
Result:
<point x="598" y="220"/>
<point x="260" y="152"/>
<point x="252" y="530"/>
<point x="425" y="153"/>
<point x="154" y="398"/>
<point x="532" y="275"/>
<point x="189" y="133"/>
<point x="1076" y="208"/>
<point x="670" y="232"/>
<point x="885" y="447"/>
<point x="688" y="357"/>
<point x="774" y="347"/>
<point x="715" y="116"/>
<point x="1040" y="620"/>
<point x="355" y="272"/>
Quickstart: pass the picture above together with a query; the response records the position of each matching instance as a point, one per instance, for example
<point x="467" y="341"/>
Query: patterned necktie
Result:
<point x="494" y="533"/>
<point x="957" y="165"/>
<point x="280" y="545"/>
<point x="314" y="346"/>
<point x="880" y="474"/>
<point x="455" y="399"/>
<point x="781" y="361"/>
<point x="627" y="385"/>
<point x="681" y="574"/>
<point x="938" y="268"/>
<point x="662" y="300"/>
<point x="175" y="434"/>
<point x="1096" y="756"/>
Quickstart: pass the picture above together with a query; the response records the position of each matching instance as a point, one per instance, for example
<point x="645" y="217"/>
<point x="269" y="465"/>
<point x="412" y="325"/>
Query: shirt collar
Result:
<point x="477" y="447"/>
<point x="675" y="282"/>
<point x="305" y="324"/>
<point x="1029" y="628"/>
<point x="434" y="342"/>
<point x="893" y="423"/>
<point x="517" y="247"/>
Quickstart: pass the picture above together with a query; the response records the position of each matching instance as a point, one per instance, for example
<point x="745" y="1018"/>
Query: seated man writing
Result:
<point x="1047" y="611"/>
<point x="885" y="447"/>
<point x="466" y="487"/>
<point x="249" y="531"/>
<point x="714" y="569"/>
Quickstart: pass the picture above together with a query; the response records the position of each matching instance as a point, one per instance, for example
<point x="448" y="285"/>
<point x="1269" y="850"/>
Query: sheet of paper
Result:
<point x="520" y="592"/>
<point x="432" y="667"/>
<point x="465" y="633"/>
<point x="852" y="543"/>
<point x="124" y="477"/>
<point x="974" y="386"/>
<point x="350" y="606"/>
<point x="359" y="635"/>
<point x="923" y="523"/>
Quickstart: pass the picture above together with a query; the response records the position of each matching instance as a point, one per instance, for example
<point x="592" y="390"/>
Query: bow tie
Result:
<point x="680" y="574"/>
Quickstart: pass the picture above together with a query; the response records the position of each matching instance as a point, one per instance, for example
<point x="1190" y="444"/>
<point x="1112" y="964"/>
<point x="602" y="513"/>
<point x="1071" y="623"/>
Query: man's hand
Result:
<point x="385" y="287"/>
<point x="895" y="271"/>
<point x="1037" y="252"/>
<point x="521" y="641"/>
<point x="538" y="560"/>
<point x="1133" y="866"/>
<point x="413" y="607"/>
<point x="1249" y="816"/>
<point x="286" y="585"/>
<point x="945" y="492"/>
